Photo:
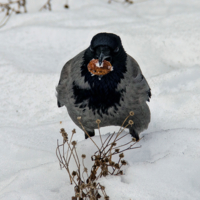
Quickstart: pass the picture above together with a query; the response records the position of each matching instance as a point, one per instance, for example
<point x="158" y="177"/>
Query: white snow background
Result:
<point x="162" y="35"/>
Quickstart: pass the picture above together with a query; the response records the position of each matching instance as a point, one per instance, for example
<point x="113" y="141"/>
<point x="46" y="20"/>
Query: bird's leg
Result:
<point x="91" y="134"/>
<point x="134" y="133"/>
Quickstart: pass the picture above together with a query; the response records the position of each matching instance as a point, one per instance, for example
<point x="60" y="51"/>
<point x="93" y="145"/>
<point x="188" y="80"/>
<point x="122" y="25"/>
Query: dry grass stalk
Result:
<point x="47" y="6"/>
<point x="86" y="183"/>
<point x="125" y="1"/>
<point x="8" y="9"/>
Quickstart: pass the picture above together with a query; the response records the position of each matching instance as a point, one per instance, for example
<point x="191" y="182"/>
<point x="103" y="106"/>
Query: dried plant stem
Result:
<point x="125" y="1"/>
<point x="88" y="134"/>
<point x="47" y="5"/>
<point x="8" y="9"/>
<point x="127" y="149"/>
<point x="108" y="141"/>
<point x="124" y="122"/>
<point x="121" y="131"/>
<point x="77" y="162"/>
<point x="77" y="156"/>
<point x="100" y="134"/>
<point x="123" y="145"/>
<point x="5" y="20"/>
<point x="122" y="136"/>
<point x="102" y="147"/>
<point x="60" y="161"/>
<point x="109" y="150"/>
<point x="57" y="151"/>
<point x="68" y="145"/>
<point x="86" y="186"/>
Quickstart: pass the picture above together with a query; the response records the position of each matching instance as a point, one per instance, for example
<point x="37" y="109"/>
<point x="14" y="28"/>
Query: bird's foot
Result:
<point x="91" y="134"/>
<point x="134" y="134"/>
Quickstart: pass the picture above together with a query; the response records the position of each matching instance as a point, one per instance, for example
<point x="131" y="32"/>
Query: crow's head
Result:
<point x="105" y="46"/>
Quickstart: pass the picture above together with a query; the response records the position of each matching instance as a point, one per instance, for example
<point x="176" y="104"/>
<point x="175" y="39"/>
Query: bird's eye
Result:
<point x="91" y="49"/>
<point x="116" y="50"/>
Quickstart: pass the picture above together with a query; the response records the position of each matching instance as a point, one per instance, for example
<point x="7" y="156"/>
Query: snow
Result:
<point x="162" y="35"/>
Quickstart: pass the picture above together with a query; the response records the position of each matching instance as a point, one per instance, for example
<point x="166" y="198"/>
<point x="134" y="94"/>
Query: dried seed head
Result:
<point x="98" y="121"/>
<point x="74" y="173"/>
<point x="93" y="176"/>
<point x="94" y="184"/>
<point x="121" y="172"/>
<point x="97" y="157"/>
<point x="112" y="163"/>
<point x="98" y="163"/>
<point x="74" y="143"/>
<point x="82" y="186"/>
<point x="79" y="118"/>
<point x="106" y="197"/>
<point x="85" y="169"/>
<point x="117" y="150"/>
<point x="105" y="173"/>
<point x="131" y="113"/>
<point x="98" y="196"/>
<point x="123" y="162"/>
<point x="116" y="166"/>
<point x="83" y="156"/>
<point x="114" y="144"/>
<point x="134" y="139"/>
<point x="64" y="134"/>
<point x="106" y="160"/>
<point x="130" y="122"/>
<point x="62" y="130"/>
<point x="102" y="187"/>
<point x="74" y="131"/>
<point x="66" y="6"/>
<point x="121" y="155"/>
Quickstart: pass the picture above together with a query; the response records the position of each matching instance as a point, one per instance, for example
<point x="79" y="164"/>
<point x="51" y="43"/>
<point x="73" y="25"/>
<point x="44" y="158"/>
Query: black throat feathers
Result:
<point x="102" y="94"/>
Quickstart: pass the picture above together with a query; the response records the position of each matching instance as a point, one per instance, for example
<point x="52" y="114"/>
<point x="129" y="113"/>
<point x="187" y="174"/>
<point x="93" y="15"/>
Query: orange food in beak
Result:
<point x="99" y="70"/>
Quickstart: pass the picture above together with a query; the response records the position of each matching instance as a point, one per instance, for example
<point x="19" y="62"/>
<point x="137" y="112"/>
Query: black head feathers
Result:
<point x="108" y="39"/>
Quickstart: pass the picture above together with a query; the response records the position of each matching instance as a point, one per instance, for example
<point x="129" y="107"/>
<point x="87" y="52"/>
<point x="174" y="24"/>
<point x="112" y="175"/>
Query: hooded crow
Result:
<point x="104" y="82"/>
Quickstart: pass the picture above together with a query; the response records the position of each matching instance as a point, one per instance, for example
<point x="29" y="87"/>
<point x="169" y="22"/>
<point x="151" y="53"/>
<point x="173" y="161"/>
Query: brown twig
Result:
<point x="125" y="1"/>
<point x="47" y="6"/>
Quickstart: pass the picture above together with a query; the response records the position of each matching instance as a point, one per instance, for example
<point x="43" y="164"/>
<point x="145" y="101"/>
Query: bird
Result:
<point x="108" y="97"/>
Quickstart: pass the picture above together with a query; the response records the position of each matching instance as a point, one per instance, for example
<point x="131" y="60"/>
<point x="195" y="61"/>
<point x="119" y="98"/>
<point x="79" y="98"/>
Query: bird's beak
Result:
<point x="102" y="57"/>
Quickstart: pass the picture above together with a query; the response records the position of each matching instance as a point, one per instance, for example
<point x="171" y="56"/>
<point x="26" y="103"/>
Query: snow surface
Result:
<point x="162" y="35"/>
